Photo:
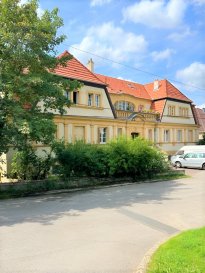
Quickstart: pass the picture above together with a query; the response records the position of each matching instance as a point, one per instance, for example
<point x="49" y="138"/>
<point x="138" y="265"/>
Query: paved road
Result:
<point x="98" y="231"/>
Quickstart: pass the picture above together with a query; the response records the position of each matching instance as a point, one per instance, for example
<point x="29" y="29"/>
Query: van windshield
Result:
<point x="181" y="152"/>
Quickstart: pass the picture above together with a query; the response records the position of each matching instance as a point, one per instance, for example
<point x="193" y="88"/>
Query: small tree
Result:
<point x="29" y="91"/>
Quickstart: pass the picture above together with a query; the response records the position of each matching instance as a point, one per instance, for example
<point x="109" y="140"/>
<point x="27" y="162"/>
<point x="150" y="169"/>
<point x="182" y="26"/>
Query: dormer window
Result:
<point x="90" y="99"/>
<point x="124" y="106"/>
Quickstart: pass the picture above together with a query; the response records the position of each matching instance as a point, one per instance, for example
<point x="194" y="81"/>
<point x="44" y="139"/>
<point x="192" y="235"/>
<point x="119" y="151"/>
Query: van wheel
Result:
<point x="178" y="164"/>
<point x="203" y="166"/>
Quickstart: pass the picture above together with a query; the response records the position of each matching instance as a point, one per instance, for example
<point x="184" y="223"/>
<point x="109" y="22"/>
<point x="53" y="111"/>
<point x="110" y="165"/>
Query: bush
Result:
<point x="81" y="159"/>
<point x="136" y="158"/>
<point x="27" y="165"/>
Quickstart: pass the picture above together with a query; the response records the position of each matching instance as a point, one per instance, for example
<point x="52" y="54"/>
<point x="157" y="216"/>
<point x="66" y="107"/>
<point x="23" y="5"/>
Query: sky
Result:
<point x="139" y="40"/>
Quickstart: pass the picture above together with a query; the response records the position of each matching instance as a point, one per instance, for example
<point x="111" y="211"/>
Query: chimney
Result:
<point x="90" y="65"/>
<point x="156" y="85"/>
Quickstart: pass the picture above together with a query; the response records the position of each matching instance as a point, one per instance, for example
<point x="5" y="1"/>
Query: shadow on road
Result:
<point x="47" y="209"/>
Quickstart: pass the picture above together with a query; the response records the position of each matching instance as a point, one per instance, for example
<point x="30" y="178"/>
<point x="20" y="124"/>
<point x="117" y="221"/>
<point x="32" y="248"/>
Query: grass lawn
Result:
<point x="184" y="253"/>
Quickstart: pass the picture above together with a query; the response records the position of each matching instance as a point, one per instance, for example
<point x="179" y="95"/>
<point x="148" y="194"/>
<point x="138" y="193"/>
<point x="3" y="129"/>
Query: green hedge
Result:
<point x="135" y="158"/>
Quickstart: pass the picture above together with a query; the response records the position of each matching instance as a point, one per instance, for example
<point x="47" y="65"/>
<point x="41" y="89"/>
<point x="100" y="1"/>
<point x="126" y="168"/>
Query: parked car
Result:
<point x="191" y="160"/>
<point x="175" y="159"/>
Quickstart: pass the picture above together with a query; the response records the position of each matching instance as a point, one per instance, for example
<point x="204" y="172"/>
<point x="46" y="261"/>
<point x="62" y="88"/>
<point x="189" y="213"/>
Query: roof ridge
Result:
<point x="119" y="79"/>
<point x="177" y="89"/>
<point x="88" y="70"/>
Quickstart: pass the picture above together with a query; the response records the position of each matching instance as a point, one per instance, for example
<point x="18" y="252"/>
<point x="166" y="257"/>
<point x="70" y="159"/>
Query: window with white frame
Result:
<point x="67" y="94"/>
<point x="103" y="135"/>
<point x="179" y="135"/>
<point x="90" y="99"/>
<point x="190" y="135"/>
<point x="97" y="100"/>
<point x="171" y="110"/>
<point x="150" y="134"/>
<point x="166" y="135"/>
<point x="183" y="111"/>
<point x="119" y="132"/>
<point x="124" y="105"/>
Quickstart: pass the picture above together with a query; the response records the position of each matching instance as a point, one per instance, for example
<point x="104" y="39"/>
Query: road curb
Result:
<point x="142" y="267"/>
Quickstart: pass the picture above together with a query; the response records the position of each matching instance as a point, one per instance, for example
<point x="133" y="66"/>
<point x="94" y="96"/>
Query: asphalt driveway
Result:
<point x="98" y="231"/>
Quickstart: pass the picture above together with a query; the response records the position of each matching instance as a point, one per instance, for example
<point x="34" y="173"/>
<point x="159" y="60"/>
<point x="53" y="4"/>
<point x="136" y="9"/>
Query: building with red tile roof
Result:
<point x="76" y="70"/>
<point x="200" y="113"/>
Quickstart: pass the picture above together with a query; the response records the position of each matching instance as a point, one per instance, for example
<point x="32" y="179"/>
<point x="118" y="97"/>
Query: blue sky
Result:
<point x="161" y="37"/>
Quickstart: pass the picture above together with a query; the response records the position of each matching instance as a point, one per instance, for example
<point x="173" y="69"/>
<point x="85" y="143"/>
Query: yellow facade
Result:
<point x="176" y="132"/>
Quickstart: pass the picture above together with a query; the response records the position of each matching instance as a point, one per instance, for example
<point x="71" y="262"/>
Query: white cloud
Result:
<point x="162" y="55"/>
<point x="94" y="3"/>
<point x="124" y="79"/>
<point x="194" y="75"/>
<point x="199" y="2"/>
<point x="201" y="106"/>
<point x="111" y="42"/>
<point x="178" y="36"/>
<point x="40" y="11"/>
<point x="158" y="13"/>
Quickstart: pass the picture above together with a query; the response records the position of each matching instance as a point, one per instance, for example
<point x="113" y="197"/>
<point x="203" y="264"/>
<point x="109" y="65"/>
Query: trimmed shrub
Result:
<point x="136" y="158"/>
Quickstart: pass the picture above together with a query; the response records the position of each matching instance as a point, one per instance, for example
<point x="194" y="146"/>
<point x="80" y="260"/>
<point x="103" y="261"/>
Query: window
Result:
<point x="103" y="135"/>
<point x="179" y="135"/>
<point x="67" y="95"/>
<point x="75" y="97"/>
<point x="140" y="108"/>
<point x="90" y="99"/>
<point x="190" y="135"/>
<point x="183" y="111"/>
<point x="124" y="105"/>
<point x="134" y="135"/>
<point x="150" y="134"/>
<point x="166" y="135"/>
<point x="171" y="110"/>
<point x="119" y="131"/>
<point x="97" y="100"/>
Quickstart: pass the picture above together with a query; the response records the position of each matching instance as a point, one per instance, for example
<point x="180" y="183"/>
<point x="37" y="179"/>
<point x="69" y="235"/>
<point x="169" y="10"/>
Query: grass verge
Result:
<point x="184" y="253"/>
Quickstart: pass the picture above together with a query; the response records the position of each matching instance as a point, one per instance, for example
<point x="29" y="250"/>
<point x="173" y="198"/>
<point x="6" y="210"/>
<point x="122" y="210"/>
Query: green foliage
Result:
<point x="201" y="141"/>
<point x="81" y="159"/>
<point x="27" y="60"/>
<point x="27" y="165"/>
<point x="133" y="158"/>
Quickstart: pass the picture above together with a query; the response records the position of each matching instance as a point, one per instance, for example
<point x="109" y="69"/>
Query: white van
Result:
<point x="190" y="156"/>
<point x="191" y="160"/>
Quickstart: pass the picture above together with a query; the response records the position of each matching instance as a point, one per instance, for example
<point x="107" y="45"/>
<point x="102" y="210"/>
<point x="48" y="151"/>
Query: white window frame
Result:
<point x="97" y="100"/>
<point x="179" y="135"/>
<point x="103" y="135"/>
<point x="90" y="99"/>
<point x="166" y="135"/>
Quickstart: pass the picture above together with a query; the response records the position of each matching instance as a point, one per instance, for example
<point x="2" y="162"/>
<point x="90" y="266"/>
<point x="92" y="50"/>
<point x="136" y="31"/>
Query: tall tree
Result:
<point x="29" y="91"/>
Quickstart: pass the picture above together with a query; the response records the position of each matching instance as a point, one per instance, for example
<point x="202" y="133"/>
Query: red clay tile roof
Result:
<point x="76" y="70"/>
<point x="165" y="90"/>
<point x="201" y="118"/>
<point x="158" y="106"/>
<point x="117" y="86"/>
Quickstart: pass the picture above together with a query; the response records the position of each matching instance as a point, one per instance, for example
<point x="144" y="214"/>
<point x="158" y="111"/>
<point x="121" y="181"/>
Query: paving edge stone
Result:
<point x="142" y="267"/>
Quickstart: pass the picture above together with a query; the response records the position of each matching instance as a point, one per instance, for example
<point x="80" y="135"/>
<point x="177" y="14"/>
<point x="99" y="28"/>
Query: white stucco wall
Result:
<point x="177" y="118"/>
<point x="82" y="109"/>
